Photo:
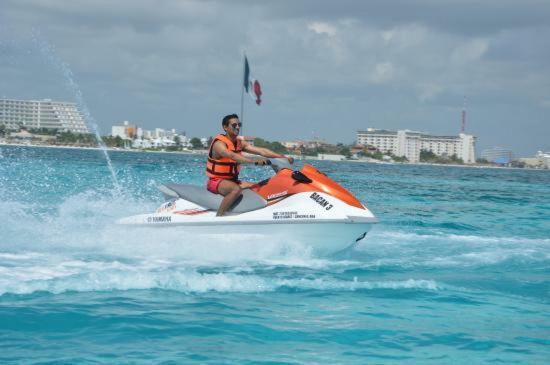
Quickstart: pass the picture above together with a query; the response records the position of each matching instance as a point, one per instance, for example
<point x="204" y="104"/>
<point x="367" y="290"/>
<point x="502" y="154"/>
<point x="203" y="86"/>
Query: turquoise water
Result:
<point x="457" y="271"/>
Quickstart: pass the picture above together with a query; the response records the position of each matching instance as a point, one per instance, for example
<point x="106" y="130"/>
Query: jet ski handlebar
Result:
<point x="278" y="164"/>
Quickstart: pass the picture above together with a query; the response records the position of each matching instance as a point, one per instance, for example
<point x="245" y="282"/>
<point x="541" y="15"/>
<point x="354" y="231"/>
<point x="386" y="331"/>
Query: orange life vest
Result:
<point x="224" y="167"/>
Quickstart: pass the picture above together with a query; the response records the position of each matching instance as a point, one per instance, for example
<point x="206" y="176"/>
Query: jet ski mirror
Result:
<point x="278" y="164"/>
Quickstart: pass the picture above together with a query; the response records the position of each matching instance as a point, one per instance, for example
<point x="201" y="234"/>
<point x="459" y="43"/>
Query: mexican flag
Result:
<point x="251" y="85"/>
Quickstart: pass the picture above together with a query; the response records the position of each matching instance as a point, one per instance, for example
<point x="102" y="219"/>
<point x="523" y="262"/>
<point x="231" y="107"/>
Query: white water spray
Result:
<point x="49" y="54"/>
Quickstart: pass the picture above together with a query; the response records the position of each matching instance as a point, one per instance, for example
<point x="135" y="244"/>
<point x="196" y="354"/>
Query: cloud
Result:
<point x="382" y="72"/>
<point x="428" y="91"/>
<point x="322" y="28"/>
<point x="470" y="51"/>
<point x="458" y="17"/>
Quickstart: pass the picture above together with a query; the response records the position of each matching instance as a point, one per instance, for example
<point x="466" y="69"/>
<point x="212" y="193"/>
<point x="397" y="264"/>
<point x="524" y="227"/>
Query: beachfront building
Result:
<point x="406" y="143"/>
<point x="60" y="115"/>
<point x="497" y="155"/>
<point x="540" y="161"/>
<point x="125" y="131"/>
<point x="156" y="138"/>
<point x="330" y="157"/>
<point x="296" y="146"/>
<point x="160" y="133"/>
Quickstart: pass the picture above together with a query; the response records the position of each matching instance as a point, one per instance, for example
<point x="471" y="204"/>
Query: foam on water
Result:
<point x="85" y="223"/>
<point x="452" y="250"/>
<point x="31" y="272"/>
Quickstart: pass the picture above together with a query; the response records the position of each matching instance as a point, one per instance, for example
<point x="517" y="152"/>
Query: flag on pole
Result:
<point x="251" y="85"/>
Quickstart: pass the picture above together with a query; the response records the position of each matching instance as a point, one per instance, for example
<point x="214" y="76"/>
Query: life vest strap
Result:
<point x="222" y="173"/>
<point x="217" y="162"/>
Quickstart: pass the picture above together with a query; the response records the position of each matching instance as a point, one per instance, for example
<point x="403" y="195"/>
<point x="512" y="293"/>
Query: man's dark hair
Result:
<point x="225" y="120"/>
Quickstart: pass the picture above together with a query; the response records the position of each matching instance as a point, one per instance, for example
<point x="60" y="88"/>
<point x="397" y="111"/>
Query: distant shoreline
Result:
<point x="110" y="149"/>
<point x="203" y="152"/>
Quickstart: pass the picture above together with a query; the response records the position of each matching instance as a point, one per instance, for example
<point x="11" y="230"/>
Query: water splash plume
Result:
<point x="49" y="54"/>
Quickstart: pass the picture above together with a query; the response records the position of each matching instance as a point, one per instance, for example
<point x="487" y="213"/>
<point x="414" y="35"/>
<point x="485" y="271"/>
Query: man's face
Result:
<point x="233" y="127"/>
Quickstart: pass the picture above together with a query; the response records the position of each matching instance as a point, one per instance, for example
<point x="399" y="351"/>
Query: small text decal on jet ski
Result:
<point x="161" y="219"/>
<point x="292" y="215"/>
<point x="277" y="195"/>
<point x="321" y="201"/>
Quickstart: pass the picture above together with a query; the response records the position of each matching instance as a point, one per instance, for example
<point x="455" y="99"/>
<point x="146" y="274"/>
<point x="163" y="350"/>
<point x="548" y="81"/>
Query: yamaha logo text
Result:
<point x="161" y="219"/>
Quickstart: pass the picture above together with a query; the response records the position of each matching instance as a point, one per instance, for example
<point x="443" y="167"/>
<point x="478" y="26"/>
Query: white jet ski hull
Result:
<point x="319" y="221"/>
<point x="320" y="239"/>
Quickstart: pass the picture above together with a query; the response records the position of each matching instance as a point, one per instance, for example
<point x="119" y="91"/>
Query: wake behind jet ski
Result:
<point x="305" y="206"/>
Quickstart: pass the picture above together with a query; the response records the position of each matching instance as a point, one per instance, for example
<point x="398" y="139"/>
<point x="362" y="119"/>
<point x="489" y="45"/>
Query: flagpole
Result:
<point x="242" y="94"/>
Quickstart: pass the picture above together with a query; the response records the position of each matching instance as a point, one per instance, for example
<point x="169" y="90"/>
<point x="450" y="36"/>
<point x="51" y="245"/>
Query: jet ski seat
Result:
<point x="248" y="201"/>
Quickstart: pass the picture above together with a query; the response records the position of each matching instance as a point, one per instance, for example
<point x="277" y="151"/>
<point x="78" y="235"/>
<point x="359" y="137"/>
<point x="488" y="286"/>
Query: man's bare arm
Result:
<point x="265" y="152"/>
<point x="221" y="150"/>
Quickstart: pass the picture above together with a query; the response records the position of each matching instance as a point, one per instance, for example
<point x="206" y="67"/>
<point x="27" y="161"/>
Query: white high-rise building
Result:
<point x="159" y="133"/>
<point x="45" y="113"/>
<point x="409" y="144"/>
<point x="125" y="131"/>
<point x="497" y="155"/>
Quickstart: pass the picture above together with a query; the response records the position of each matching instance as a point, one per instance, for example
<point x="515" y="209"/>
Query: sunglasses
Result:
<point x="234" y="125"/>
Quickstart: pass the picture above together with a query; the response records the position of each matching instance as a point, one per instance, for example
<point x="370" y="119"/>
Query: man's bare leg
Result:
<point x="231" y="191"/>
<point x="246" y="184"/>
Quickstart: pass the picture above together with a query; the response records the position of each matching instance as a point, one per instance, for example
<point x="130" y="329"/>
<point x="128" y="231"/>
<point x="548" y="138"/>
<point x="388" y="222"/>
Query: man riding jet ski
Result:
<point x="224" y="162"/>
<point x="303" y="206"/>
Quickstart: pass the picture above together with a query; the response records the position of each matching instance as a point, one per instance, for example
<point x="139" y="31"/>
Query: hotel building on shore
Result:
<point x="409" y="144"/>
<point x="497" y="155"/>
<point x="540" y="161"/>
<point x="143" y="138"/>
<point x="63" y="116"/>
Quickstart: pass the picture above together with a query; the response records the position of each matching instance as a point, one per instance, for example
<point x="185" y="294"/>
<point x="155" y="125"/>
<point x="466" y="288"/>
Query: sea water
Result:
<point x="457" y="271"/>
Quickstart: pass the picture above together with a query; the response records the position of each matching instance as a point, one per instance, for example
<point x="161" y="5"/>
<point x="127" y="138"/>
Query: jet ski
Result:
<point x="299" y="205"/>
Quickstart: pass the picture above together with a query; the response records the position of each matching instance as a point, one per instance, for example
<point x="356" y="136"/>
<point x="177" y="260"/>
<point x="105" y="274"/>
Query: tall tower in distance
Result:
<point x="463" y="126"/>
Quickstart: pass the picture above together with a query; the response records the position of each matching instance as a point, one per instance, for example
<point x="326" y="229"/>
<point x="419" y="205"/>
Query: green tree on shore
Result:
<point x="274" y="146"/>
<point x="344" y="150"/>
<point x="430" y="157"/>
<point x="177" y="141"/>
<point x="111" y="141"/>
<point x="399" y="158"/>
<point x="196" y="143"/>
<point x="76" y="138"/>
<point x="45" y="131"/>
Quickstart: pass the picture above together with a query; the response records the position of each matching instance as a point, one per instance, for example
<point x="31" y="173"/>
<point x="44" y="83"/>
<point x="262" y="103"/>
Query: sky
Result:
<point x="327" y="68"/>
